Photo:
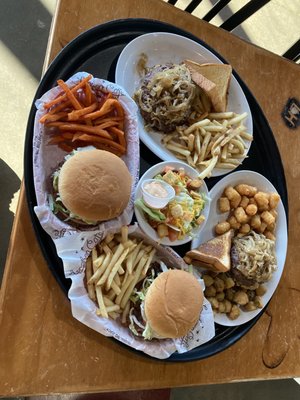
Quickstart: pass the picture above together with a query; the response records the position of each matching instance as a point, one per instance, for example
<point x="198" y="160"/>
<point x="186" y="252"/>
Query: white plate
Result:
<point x="160" y="48"/>
<point x="140" y="216"/>
<point x="262" y="183"/>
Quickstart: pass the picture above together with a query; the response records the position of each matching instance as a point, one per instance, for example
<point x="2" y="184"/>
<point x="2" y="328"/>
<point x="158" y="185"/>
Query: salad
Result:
<point x="183" y="212"/>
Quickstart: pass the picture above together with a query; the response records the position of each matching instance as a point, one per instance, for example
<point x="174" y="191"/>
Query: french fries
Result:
<point x="113" y="272"/>
<point x="217" y="141"/>
<point x="78" y="117"/>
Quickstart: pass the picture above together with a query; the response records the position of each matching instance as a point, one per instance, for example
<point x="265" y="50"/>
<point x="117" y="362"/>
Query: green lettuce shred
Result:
<point x="155" y="215"/>
<point x="148" y="332"/>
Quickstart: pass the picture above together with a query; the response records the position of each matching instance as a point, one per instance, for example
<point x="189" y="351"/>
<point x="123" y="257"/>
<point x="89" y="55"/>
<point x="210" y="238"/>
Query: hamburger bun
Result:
<point x="95" y="185"/>
<point x="173" y="303"/>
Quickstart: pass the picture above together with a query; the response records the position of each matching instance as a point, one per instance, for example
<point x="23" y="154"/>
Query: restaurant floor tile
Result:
<point x="283" y="389"/>
<point x="286" y="389"/>
<point x="159" y="394"/>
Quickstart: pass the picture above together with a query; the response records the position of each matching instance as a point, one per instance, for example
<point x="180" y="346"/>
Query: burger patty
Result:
<point x="65" y="216"/>
<point x="137" y="305"/>
<point x="238" y="276"/>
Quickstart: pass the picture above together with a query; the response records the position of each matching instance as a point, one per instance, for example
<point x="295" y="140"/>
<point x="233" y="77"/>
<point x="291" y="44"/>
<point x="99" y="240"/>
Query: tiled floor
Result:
<point x="24" y="28"/>
<point x="267" y="390"/>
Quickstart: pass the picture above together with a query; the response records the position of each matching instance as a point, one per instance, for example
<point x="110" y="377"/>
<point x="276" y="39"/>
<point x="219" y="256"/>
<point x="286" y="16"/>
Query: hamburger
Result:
<point x="167" y="305"/>
<point x="91" y="186"/>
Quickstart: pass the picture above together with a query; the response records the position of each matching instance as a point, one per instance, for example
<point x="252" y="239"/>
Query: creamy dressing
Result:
<point x="156" y="189"/>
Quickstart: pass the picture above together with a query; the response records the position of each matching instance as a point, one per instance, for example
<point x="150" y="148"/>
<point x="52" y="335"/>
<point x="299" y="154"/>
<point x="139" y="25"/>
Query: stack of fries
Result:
<point x="113" y="270"/>
<point x="78" y="118"/>
<point x="216" y="141"/>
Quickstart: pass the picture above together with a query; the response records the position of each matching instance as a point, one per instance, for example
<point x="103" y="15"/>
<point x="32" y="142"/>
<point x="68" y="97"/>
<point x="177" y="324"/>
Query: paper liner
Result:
<point x="73" y="245"/>
<point x="84" y="309"/>
<point x="46" y="158"/>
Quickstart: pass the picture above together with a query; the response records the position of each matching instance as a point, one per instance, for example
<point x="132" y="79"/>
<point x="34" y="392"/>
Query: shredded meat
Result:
<point x="166" y="96"/>
<point x="253" y="260"/>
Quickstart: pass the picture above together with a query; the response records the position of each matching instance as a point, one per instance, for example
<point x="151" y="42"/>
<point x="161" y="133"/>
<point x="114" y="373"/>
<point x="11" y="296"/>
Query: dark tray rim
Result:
<point x="136" y="24"/>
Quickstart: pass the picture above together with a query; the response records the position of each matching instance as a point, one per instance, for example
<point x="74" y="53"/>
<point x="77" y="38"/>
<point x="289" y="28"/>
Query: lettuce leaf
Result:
<point x="155" y="215"/>
<point x="148" y="333"/>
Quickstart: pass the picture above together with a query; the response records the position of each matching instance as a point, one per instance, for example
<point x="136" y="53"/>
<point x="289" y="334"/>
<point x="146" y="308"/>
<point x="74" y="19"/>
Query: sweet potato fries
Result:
<point x="78" y="118"/>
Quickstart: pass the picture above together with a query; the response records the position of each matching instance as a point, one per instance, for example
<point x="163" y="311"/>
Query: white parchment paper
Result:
<point x="47" y="158"/>
<point x="84" y="309"/>
<point x="74" y="246"/>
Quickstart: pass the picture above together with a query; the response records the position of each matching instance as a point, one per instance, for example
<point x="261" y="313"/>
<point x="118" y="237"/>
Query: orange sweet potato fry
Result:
<point x="67" y="135"/>
<point x="53" y="117"/>
<point x="65" y="147"/>
<point x="65" y="106"/>
<point x="88" y="95"/>
<point x="107" y="107"/>
<point x="106" y="118"/>
<point x="119" y="108"/>
<point x="64" y="97"/>
<point x="76" y="136"/>
<point x="56" y="140"/>
<point x="77" y="114"/>
<point x="67" y="126"/>
<point x="108" y="124"/>
<point x="107" y="142"/>
<point x="101" y="146"/>
<point x="81" y="119"/>
<point x="120" y="135"/>
<point x="104" y="98"/>
<point x="70" y="94"/>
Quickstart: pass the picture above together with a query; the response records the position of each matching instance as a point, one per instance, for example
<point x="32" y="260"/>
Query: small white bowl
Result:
<point x="156" y="201"/>
<point x="141" y="218"/>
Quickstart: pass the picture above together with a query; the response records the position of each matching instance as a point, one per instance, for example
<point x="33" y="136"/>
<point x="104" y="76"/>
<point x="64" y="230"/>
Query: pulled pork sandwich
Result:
<point x="166" y="305"/>
<point x="91" y="186"/>
<point x="253" y="260"/>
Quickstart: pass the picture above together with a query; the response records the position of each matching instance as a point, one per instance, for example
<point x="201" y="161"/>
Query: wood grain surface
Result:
<point x="43" y="350"/>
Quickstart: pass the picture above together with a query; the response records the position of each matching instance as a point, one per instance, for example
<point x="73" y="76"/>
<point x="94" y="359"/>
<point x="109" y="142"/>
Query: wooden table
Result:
<point x="44" y="350"/>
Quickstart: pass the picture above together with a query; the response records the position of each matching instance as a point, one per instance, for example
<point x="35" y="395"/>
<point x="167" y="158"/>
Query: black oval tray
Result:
<point x="96" y="51"/>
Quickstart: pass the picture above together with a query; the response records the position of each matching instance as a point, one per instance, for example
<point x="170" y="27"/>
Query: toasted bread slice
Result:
<point x="214" y="254"/>
<point x="218" y="74"/>
<point x="200" y="80"/>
